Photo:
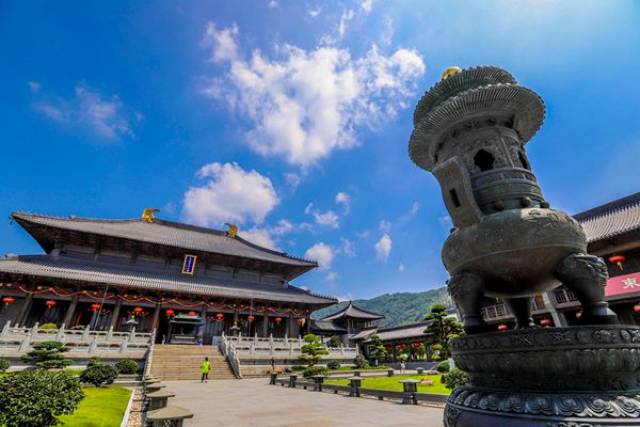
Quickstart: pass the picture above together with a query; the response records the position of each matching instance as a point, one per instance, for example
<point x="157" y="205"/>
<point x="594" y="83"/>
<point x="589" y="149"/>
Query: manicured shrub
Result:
<point x="4" y="365"/>
<point x="455" y="378"/>
<point x="333" y="364"/>
<point x="314" y="370"/>
<point x="360" y="362"/>
<point x="34" y="398"/>
<point x="443" y="366"/>
<point x="127" y="366"/>
<point x="312" y="350"/>
<point x="49" y="325"/>
<point x="296" y="368"/>
<point x="99" y="375"/>
<point x="47" y="355"/>
<point x="335" y="341"/>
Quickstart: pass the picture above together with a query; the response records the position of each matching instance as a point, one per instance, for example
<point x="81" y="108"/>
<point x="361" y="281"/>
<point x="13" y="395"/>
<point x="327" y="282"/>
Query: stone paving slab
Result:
<point x="254" y="403"/>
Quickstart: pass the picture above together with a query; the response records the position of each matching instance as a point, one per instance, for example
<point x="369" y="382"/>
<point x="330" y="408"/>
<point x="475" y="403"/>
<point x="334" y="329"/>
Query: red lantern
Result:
<point x="579" y="314"/>
<point x="8" y="300"/>
<point x="192" y="313"/>
<point x="170" y="313"/>
<point x="503" y="327"/>
<point x="219" y="316"/>
<point x="278" y="320"/>
<point x="50" y="303"/>
<point x="617" y="260"/>
<point x="138" y="310"/>
<point x="250" y="318"/>
<point x="545" y="322"/>
<point x="95" y="307"/>
<point x="636" y="308"/>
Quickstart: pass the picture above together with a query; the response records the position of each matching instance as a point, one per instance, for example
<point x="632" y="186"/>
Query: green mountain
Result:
<point x="399" y="308"/>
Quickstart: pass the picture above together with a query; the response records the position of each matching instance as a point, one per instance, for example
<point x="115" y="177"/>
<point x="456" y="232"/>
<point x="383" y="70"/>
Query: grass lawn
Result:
<point x="393" y="383"/>
<point x="351" y="368"/>
<point x="101" y="407"/>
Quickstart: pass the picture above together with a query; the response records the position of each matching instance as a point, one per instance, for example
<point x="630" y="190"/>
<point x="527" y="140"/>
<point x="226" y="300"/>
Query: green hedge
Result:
<point x="99" y="375"/>
<point x="127" y="366"/>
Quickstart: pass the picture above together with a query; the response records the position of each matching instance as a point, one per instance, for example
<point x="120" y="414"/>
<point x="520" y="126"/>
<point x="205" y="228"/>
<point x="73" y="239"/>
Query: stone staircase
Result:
<point x="182" y="362"/>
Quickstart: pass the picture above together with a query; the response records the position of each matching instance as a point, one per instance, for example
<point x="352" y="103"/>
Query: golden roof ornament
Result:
<point x="232" y="231"/>
<point x="147" y="215"/>
<point x="451" y="71"/>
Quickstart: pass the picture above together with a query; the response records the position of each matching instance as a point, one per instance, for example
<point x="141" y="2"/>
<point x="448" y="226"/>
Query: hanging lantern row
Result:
<point x="579" y="315"/>
<point x="50" y="303"/>
<point x="546" y="322"/>
<point x="138" y="311"/>
<point x="618" y="260"/>
<point x="503" y="327"/>
<point x="95" y="307"/>
<point x="8" y="300"/>
<point x="251" y="318"/>
<point x="278" y="320"/>
<point x="636" y="308"/>
<point x="219" y="316"/>
<point x="170" y="313"/>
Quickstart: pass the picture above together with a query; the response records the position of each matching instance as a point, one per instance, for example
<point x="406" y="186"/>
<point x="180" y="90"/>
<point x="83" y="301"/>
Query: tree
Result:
<point x="312" y="350"/>
<point x="47" y="355"/>
<point x="34" y="398"/>
<point x="335" y="341"/>
<point x="455" y="378"/>
<point x="442" y="328"/>
<point x="377" y="351"/>
<point x="99" y="375"/>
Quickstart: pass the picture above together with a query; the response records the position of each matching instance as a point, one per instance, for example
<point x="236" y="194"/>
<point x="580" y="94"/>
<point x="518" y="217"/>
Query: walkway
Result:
<point x="254" y="403"/>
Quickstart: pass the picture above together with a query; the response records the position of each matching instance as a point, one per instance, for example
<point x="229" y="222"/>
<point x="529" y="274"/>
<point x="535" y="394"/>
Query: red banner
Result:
<point x="626" y="284"/>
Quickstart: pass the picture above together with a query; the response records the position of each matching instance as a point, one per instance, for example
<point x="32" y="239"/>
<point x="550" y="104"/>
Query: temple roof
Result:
<point x="611" y="219"/>
<point x="150" y="279"/>
<point x="354" y="312"/>
<point x="415" y="330"/>
<point x="326" y="326"/>
<point x="159" y="232"/>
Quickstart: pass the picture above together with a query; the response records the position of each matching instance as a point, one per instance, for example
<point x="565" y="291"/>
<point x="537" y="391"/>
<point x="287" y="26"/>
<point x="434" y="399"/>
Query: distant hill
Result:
<point x="399" y="308"/>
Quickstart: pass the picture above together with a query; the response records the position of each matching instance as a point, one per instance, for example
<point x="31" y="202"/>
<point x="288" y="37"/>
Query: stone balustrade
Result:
<point x="247" y="348"/>
<point x="16" y="340"/>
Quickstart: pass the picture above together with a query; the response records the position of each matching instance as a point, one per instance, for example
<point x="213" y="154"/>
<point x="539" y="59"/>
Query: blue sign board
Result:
<point x="189" y="264"/>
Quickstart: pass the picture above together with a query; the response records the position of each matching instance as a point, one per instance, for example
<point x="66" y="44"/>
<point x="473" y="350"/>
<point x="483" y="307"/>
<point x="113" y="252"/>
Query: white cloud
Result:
<point x="321" y="253"/>
<point x="222" y="43"/>
<point x="384" y="226"/>
<point x="282" y="227"/>
<point x="366" y="5"/>
<point x="259" y="236"/>
<point x="33" y="86"/>
<point x="331" y="276"/>
<point x="273" y="4"/>
<point x="304" y="104"/>
<point x="386" y="35"/>
<point x="87" y="109"/>
<point x="347" y="247"/>
<point x="344" y="199"/>
<point x="328" y="218"/>
<point x="229" y="194"/>
<point x="314" y="12"/>
<point x="415" y="207"/>
<point x="401" y="268"/>
<point x="383" y="247"/>
<point x="346" y="16"/>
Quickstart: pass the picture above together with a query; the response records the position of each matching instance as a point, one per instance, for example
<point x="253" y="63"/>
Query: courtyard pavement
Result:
<point x="254" y="403"/>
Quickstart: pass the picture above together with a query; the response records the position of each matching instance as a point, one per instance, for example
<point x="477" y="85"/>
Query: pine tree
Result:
<point x="377" y="351"/>
<point x="47" y="355"/>
<point x="442" y="328"/>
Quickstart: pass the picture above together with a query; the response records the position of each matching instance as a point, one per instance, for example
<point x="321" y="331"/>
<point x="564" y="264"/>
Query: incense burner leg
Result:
<point x="586" y="276"/>
<point x="467" y="291"/>
<point x="521" y="308"/>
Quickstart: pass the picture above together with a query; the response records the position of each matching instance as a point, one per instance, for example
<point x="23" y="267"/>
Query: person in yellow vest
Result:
<point x="204" y="368"/>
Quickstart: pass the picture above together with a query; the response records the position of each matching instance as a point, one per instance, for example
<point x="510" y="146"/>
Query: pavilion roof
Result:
<point x="354" y="312"/>
<point x="125" y="275"/>
<point x="160" y="232"/>
<point x="412" y="331"/>
<point x="326" y="326"/>
<point x="611" y="219"/>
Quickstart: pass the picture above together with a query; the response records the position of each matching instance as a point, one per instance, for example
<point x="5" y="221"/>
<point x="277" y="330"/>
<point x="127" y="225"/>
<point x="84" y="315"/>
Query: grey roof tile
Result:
<point x="611" y="219"/>
<point x="167" y="233"/>
<point x="351" y="310"/>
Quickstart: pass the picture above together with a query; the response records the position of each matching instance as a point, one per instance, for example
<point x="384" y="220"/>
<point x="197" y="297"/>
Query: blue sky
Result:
<point x="292" y="118"/>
